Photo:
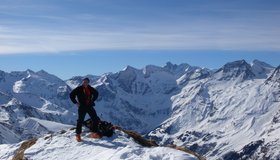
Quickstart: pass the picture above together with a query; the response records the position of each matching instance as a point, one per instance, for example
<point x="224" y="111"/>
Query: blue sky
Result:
<point x="78" y="37"/>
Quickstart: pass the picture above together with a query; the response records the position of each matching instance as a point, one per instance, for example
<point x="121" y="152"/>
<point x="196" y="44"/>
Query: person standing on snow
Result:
<point x="86" y="95"/>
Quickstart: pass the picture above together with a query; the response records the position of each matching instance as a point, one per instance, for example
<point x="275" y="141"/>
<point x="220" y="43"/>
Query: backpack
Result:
<point x="104" y="128"/>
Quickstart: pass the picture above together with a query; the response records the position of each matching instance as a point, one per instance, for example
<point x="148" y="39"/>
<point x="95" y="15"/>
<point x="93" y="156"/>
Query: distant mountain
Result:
<point x="233" y="70"/>
<point x="29" y="94"/>
<point x="228" y="113"/>
<point x="261" y="69"/>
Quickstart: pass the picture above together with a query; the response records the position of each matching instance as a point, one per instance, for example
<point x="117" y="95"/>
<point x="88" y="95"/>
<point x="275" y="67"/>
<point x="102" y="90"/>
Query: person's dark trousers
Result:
<point x="82" y="111"/>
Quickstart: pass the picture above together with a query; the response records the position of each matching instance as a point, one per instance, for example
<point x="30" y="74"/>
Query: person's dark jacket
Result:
<point x="79" y="92"/>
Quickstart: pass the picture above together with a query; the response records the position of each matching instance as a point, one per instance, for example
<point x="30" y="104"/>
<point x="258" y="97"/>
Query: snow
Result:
<point x="261" y="69"/>
<point x="235" y="113"/>
<point x="49" y="125"/>
<point x="7" y="151"/>
<point x="18" y="86"/>
<point x="64" y="146"/>
<point x="8" y="135"/>
<point x="213" y="112"/>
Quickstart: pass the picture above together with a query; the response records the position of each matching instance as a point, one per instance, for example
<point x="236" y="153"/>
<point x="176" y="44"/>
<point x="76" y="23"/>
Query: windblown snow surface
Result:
<point x="64" y="146"/>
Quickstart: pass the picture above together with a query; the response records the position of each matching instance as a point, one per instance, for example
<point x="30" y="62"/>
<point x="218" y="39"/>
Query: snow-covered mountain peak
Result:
<point x="261" y="69"/>
<point x="128" y="68"/>
<point x="178" y="70"/>
<point x="126" y="77"/>
<point x="232" y="70"/>
<point x="261" y="63"/>
<point x="240" y="64"/>
<point x="275" y="76"/>
<point x="29" y="71"/>
<point x="150" y="69"/>
<point x="128" y="72"/>
<point x="43" y="73"/>
<point x="32" y="80"/>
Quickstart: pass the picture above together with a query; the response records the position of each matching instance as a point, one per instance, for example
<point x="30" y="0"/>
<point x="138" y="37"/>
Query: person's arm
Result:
<point x="73" y="95"/>
<point x="95" y="94"/>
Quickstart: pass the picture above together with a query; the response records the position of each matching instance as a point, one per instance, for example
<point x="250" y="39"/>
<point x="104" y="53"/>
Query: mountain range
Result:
<point x="228" y="113"/>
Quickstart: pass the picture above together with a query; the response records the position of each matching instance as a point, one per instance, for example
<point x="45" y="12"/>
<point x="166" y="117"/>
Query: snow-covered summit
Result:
<point x="237" y="69"/>
<point x="126" y="77"/>
<point x="261" y="64"/>
<point x="26" y="94"/>
<point x="151" y="69"/>
<point x="64" y="146"/>
<point x="178" y="69"/>
<point x="261" y="69"/>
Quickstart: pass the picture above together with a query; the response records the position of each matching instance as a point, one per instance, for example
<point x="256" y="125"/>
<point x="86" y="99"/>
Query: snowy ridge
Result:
<point x="261" y="69"/>
<point x="215" y="118"/>
<point x="32" y="94"/>
<point x="275" y="76"/>
<point x="63" y="146"/>
<point x="240" y="70"/>
<point x="227" y="113"/>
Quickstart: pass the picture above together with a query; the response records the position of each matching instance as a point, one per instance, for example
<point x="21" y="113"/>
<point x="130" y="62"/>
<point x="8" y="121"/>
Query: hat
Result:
<point x="86" y="79"/>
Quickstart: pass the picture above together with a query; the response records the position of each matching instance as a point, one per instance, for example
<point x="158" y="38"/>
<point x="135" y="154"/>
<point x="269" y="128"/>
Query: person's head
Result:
<point x="85" y="82"/>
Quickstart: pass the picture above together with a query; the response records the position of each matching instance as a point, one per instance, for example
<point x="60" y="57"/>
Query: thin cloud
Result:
<point x="56" y="42"/>
<point x="32" y="31"/>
